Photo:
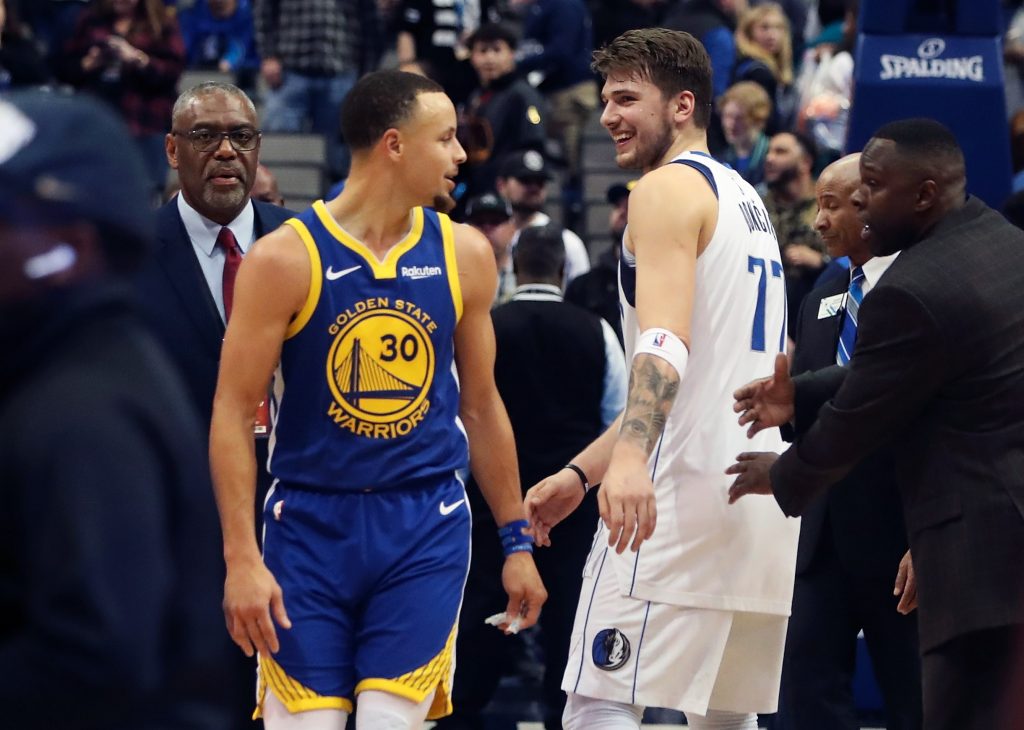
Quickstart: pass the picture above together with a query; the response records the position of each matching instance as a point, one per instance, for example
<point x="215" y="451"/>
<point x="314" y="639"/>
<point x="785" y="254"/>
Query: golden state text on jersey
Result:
<point x="367" y="393"/>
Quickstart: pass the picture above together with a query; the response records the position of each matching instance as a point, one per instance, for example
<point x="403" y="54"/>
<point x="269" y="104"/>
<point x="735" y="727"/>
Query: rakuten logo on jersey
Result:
<point x="421" y="272"/>
<point x="929" y="65"/>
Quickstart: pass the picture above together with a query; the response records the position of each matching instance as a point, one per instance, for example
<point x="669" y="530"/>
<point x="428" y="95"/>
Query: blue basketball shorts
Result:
<point x="372" y="583"/>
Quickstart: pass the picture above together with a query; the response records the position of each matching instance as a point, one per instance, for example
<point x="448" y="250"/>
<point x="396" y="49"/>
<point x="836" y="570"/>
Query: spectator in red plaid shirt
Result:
<point x="131" y="53"/>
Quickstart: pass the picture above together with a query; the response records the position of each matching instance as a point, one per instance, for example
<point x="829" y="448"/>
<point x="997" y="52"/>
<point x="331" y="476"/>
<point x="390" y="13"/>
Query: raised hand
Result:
<point x="550" y="501"/>
<point x="766" y="402"/>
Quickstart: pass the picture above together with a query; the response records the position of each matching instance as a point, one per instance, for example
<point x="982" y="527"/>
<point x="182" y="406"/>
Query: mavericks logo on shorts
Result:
<point x="380" y="367"/>
<point x="611" y="649"/>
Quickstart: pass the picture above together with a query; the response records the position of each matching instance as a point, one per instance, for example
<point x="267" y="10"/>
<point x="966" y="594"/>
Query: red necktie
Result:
<point x="232" y="258"/>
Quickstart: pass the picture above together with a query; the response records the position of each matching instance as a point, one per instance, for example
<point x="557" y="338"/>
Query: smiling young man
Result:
<point x="374" y="296"/>
<point x="694" y="618"/>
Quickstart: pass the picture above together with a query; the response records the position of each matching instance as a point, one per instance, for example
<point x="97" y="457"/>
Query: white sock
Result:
<point x="277" y="717"/>
<point x="722" y="720"/>
<point x="376" y="710"/>
<point x="587" y="713"/>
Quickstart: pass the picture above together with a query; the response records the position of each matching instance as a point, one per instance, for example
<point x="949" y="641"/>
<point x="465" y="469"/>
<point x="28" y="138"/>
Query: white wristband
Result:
<point x="664" y="344"/>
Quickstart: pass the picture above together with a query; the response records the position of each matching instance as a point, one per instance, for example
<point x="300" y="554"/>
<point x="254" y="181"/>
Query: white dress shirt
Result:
<point x="203" y="232"/>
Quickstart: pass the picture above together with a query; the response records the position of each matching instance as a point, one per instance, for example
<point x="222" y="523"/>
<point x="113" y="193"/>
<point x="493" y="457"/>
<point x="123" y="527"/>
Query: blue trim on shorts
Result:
<point x="636" y="666"/>
<point x="586" y="621"/>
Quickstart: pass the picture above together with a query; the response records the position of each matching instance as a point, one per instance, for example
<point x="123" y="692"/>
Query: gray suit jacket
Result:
<point x="938" y="374"/>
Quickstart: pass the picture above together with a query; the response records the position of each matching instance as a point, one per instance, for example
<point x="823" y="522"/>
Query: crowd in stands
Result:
<point x="519" y="73"/>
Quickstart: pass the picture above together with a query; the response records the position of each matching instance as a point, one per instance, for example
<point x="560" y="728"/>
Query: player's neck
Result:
<point x="373" y="211"/>
<point x="689" y="139"/>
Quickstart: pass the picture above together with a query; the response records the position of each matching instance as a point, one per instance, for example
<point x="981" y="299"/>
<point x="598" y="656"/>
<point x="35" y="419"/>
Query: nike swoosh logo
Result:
<point x="447" y="509"/>
<point x="332" y="275"/>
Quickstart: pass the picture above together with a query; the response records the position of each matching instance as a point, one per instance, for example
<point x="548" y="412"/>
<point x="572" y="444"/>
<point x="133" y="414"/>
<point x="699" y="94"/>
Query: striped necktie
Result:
<point x="848" y="334"/>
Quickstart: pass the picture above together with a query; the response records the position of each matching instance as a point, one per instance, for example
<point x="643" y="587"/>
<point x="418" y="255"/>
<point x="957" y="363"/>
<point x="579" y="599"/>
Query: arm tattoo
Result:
<point x="653" y="385"/>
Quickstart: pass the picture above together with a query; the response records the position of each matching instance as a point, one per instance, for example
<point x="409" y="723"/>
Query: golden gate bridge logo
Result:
<point x="361" y="377"/>
<point x="379" y="370"/>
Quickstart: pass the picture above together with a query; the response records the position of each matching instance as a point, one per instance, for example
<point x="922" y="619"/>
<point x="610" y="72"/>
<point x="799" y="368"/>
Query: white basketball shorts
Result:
<point x="660" y="655"/>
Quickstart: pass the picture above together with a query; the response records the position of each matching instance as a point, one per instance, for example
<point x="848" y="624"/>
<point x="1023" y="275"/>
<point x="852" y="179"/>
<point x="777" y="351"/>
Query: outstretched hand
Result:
<point x="752" y="469"/>
<point x="550" y="501"/>
<point x="766" y="402"/>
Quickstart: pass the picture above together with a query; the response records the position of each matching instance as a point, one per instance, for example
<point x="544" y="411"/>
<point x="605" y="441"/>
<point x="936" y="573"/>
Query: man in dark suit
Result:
<point x="938" y="374"/>
<point x="852" y="537"/>
<point x="183" y="288"/>
<point x="202" y="233"/>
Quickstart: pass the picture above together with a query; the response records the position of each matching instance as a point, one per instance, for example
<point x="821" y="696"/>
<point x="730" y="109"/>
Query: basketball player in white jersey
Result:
<point x="692" y="617"/>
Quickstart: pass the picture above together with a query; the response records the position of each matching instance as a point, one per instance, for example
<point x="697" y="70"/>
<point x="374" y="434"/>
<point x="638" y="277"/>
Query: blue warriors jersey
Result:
<point x="367" y="394"/>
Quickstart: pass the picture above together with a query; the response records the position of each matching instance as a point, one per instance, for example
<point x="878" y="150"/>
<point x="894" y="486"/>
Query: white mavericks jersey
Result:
<point x="705" y="552"/>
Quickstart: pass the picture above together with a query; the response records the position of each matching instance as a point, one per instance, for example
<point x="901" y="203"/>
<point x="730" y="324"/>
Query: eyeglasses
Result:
<point x="207" y="140"/>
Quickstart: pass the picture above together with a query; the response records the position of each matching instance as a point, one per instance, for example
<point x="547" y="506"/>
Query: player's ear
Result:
<point x="392" y="143"/>
<point x="684" y="105"/>
<point x="171" y="150"/>
<point x="927" y="195"/>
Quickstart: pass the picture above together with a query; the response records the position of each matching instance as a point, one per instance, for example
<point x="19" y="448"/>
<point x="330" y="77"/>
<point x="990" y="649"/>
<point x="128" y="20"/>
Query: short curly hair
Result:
<point x="751" y="97"/>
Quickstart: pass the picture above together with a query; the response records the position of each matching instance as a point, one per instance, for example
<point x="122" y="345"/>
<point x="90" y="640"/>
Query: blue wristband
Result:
<point x="525" y="547"/>
<point x="513" y="539"/>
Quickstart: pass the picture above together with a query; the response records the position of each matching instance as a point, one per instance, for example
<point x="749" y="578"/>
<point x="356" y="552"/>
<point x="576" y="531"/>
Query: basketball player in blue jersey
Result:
<point x="693" y="618"/>
<point x="376" y="307"/>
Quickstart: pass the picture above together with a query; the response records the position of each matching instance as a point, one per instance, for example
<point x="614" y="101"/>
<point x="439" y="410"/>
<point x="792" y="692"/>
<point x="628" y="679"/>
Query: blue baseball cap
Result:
<point x="66" y="158"/>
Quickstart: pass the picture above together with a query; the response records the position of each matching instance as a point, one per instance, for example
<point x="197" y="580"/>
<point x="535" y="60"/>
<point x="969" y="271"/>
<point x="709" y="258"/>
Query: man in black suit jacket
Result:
<point x="852" y="538"/>
<point x="938" y="374"/>
<point x="181" y="288"/>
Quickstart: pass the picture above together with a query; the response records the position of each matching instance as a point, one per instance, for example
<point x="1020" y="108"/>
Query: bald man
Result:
<point x="852" y="538"/>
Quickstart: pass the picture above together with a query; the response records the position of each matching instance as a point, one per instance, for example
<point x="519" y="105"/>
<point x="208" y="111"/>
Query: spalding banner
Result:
<point x="914" y="57"/>
<point x="931" y="63"/>
<point x="957" y="80"/>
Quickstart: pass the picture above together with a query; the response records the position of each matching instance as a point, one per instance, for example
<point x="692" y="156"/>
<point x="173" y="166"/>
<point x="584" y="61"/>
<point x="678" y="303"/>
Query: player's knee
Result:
<point x="277" y="717"/>
<point x="587" y="713"/>
<point x="384" y="711"/>
<point x="721" y="720"/>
